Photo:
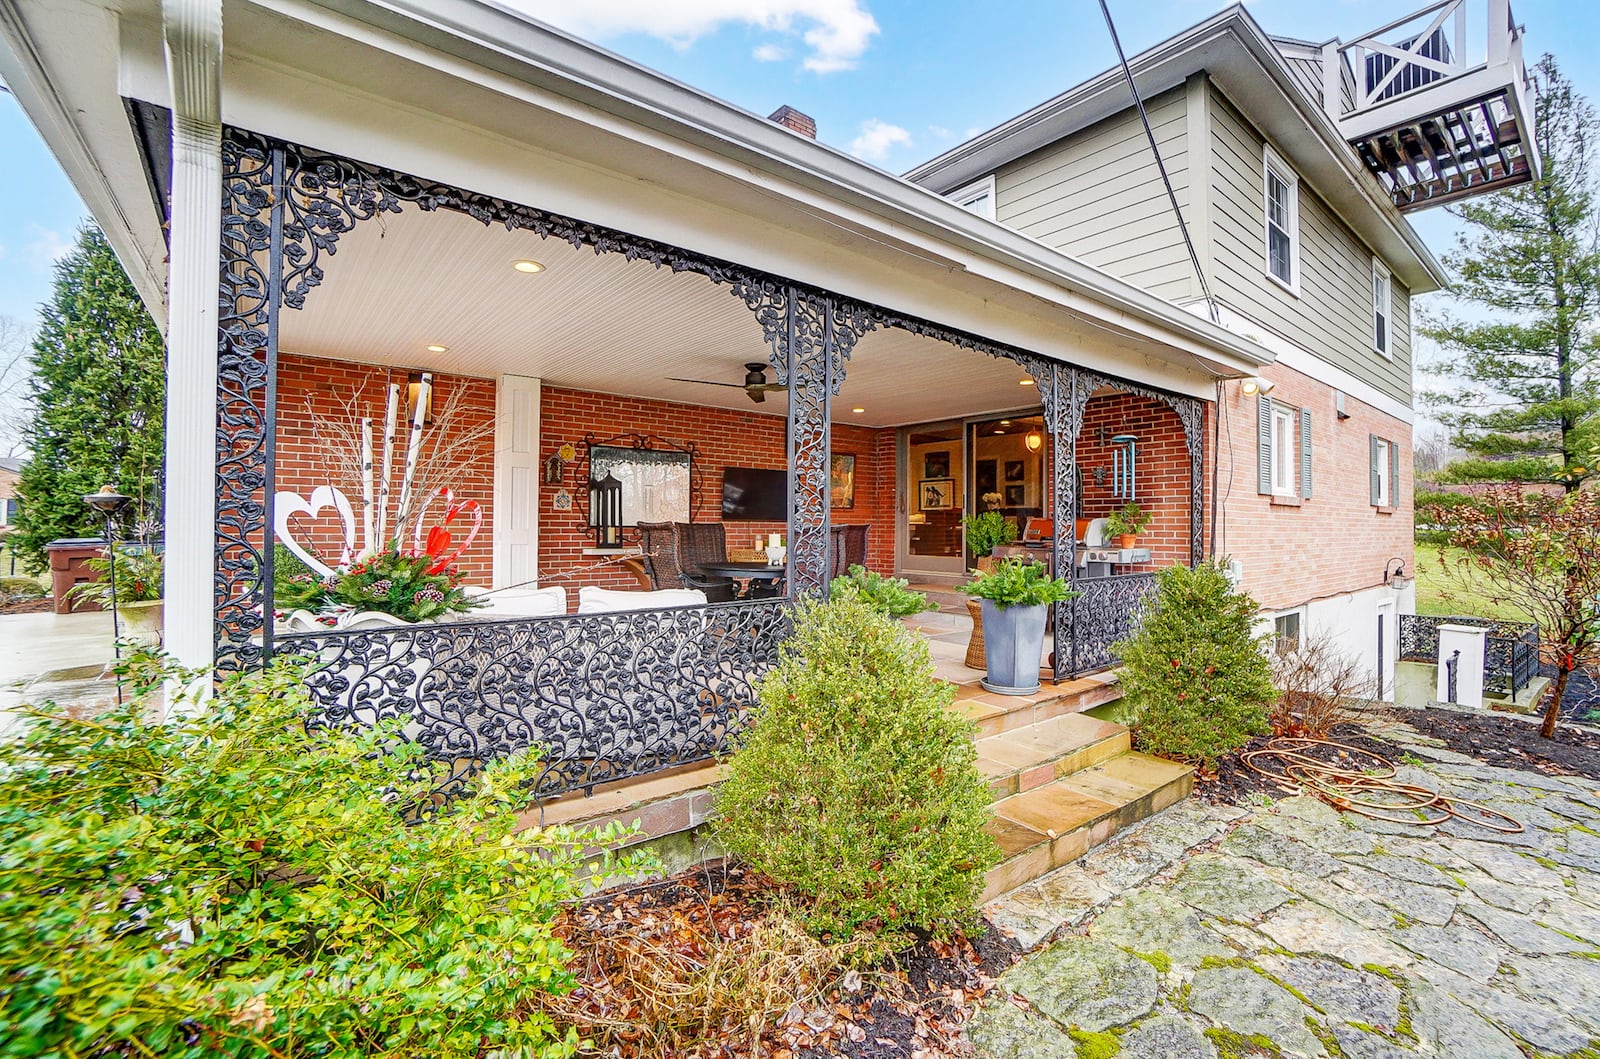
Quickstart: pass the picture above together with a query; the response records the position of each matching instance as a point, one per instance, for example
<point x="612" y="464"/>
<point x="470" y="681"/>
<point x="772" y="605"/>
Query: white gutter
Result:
<point x="193" y="36"/>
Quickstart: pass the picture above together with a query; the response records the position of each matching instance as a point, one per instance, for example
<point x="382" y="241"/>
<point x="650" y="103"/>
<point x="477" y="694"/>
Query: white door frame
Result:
<point x="1388" y="641"/>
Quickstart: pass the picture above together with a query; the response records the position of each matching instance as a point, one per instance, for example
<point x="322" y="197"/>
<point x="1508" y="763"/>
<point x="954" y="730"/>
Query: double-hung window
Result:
<point x="1384" y="472"/>
<point x="1382" y="309"/>
<point x="977" y="197"/>
<point x="1283" y="449"/>
<point x="1282" y="215"/>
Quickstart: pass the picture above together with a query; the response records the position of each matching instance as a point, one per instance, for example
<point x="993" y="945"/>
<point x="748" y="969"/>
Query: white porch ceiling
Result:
<point x="599" y="323"/>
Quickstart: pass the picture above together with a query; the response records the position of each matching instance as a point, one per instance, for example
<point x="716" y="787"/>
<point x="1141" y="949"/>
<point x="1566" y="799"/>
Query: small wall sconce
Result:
<point x="1394" y="573"/>
<point x="1034" y="441"/>
<point x="1255" y="384"/>
<point x="420" y="388"/>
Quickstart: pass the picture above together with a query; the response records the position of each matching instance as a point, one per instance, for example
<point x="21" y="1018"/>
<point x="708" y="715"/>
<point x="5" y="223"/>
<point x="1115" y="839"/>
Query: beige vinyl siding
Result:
<point x="1097" y="195"/>
<point x="1307" y="73"/>
<point x="1332" y="317"/>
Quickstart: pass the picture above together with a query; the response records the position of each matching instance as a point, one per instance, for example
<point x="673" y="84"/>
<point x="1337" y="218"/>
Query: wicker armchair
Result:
<point x="659" y="556"/>
<point x="848" y="548"/>
<point x="703" y="542"/>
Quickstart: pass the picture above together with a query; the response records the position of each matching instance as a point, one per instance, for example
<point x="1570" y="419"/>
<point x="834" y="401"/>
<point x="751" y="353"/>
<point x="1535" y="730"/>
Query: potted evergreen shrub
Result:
<point x="986" y="532"/>
<point x="1127" y="523"/>
<point x="1014" y="598"/>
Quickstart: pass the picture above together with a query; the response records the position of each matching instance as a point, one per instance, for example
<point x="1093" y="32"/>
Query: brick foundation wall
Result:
<point x="312" y="385"/>
<point x="723" y="438"/>
<point x="1334" y="542"/>
<point x="1161" y="469"/>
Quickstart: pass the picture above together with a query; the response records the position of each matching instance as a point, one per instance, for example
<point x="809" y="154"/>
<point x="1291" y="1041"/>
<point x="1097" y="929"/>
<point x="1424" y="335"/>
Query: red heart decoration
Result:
<point x="440" y="538"/>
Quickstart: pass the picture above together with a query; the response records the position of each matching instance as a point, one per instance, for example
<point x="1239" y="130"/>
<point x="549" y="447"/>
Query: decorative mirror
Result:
<point x="651" y="480"/>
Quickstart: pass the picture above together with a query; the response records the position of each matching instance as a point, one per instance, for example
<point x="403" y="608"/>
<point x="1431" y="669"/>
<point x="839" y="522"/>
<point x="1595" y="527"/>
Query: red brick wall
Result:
<point x="308" y="385"/>
<point x="1336" y="541"/>
<point x="723" y="438"/>
<point x="1161" y="469"/>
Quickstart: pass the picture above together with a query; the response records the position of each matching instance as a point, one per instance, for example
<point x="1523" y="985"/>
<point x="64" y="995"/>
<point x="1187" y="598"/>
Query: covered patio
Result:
<point x="576" y="340"/>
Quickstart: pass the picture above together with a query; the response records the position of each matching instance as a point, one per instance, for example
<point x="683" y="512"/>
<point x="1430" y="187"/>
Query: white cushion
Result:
<point x="593" y="600"/>
<point x="520" y="602"/>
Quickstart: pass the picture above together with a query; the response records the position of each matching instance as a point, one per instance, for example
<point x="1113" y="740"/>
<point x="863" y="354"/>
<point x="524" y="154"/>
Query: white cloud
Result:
<point x="45" y="248"/>
<point x="877" y="138"/>
<point x="836" y="31"/>
<point x="770" y="53"/>
<point x="939" y="132"/>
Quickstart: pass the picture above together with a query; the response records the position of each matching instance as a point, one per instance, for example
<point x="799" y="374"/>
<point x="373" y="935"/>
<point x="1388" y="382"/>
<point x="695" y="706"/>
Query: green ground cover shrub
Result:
<point x="1196" y="681"/>
<point x="237" y="884"/>
<point x="887" y="595"/>
<point x="856" y="785"/>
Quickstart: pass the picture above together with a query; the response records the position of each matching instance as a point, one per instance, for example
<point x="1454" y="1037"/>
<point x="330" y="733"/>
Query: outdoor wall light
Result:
<point x="1034" y="441"/>
<point x="414" y="393"/>
<point x="1256" y="384"/>
<point x="1394" y="573"/>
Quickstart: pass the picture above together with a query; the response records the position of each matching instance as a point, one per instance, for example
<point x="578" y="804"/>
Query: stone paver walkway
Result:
<point x="1288" y="929"/>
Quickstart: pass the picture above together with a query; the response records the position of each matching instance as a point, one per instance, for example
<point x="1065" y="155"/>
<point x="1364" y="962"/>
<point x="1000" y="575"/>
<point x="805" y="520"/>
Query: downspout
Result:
<point x="192" y="30"/>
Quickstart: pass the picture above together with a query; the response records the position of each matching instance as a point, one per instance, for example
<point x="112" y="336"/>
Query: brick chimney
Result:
<point x="791" y="118"/>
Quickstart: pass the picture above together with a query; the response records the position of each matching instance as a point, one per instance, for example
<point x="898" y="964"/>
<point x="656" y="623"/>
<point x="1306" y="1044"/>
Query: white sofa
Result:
<point x="609" y="600"/>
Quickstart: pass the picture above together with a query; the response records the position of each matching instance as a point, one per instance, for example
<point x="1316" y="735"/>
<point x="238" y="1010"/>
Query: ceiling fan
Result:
<point x="755" y="382"/>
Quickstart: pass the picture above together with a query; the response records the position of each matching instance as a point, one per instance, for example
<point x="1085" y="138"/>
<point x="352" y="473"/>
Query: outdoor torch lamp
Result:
<point x="109" y="502"/>
<point x="605" y="506"/>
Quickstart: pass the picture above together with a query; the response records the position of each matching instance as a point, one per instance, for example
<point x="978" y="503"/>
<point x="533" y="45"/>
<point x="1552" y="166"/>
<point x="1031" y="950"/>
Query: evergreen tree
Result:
<point x="97" y="401"/>
<point x="1528" y="276"/>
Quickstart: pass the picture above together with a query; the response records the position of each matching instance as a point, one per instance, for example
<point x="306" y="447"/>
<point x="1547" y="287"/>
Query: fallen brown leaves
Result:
<point x="709" y="965"/>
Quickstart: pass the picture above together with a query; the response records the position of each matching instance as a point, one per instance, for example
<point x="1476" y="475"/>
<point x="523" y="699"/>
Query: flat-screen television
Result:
<point x="751" y="494"/>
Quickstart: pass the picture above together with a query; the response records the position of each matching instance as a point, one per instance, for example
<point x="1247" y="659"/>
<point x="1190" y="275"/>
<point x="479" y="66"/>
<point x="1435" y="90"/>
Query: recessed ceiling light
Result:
<point x="527" y="266"/>
<point x="438" y="349"/>
<point x="1005" y="422"/>
<point x="997" y="430"/>
<point x="1024" y="382"/>
<point x="858" y="410"/>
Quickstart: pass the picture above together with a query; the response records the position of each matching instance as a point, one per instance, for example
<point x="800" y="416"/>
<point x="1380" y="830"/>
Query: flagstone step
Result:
<point x="1046" y="827"/>
<point x="1001" y="713"/>
<point x="1033" y="755"/>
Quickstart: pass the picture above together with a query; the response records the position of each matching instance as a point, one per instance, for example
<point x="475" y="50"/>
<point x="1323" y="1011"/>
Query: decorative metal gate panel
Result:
<point x="604" y="697"/>
<point x="1106" y="612"/>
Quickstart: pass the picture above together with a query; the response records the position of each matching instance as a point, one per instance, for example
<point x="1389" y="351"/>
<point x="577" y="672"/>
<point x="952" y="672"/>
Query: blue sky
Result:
<point x="893" y="81"/>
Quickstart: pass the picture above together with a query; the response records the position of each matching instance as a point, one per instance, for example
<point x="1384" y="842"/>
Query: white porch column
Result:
<point x="193" y="32"/>
<point x="1466" y="644"/>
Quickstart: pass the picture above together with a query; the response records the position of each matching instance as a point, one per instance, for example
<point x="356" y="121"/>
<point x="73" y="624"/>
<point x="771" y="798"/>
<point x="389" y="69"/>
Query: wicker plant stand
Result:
<point x="975" y="658"/>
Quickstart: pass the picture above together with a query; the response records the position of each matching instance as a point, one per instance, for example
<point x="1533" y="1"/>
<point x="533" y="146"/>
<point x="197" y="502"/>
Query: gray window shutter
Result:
<point x="1372" y="466"/>
<point x="1394" y="475"/>
<point x="1264" y="444"/>
<point x="1305" y="453"/>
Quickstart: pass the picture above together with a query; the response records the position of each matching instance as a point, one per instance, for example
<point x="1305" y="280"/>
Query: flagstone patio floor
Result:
<point x="1288" y="929"/>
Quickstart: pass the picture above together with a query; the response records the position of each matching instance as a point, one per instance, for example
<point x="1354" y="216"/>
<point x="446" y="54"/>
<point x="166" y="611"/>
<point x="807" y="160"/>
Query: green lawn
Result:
<point x="21" y="571"/>
<point x="1445" y="592"/>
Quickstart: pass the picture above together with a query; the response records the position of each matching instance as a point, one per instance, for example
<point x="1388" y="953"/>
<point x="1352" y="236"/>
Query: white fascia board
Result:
<point x="1234" y="51"/>
<point x="1310" y="365"/>
<point x="468" y="38"/>
<point x="89" y="136"/>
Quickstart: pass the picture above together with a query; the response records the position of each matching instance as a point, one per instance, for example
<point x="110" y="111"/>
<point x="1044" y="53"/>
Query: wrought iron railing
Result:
<point x="1102" y="615"/>
<point x="603" y="697"/>
<point x="1511" y="649"/>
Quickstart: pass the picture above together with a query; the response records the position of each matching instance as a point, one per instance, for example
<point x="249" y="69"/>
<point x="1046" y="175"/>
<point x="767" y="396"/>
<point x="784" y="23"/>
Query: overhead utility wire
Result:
<point x="1172" y="197"/>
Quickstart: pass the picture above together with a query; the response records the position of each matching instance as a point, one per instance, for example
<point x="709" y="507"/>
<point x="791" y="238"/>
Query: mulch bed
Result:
<point x="912" y="1004"/>
<point x="27" y="606"/>
<point x="1510" y="743"/>
<point x="1495" y="740"/>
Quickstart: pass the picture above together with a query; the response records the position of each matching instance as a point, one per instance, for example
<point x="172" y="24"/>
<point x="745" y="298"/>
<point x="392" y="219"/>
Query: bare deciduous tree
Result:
<point x="15" y="372"/>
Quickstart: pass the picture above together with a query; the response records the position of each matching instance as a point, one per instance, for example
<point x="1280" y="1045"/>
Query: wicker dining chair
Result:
<point x="703" y="542"/>
<point x="847" y="548"/>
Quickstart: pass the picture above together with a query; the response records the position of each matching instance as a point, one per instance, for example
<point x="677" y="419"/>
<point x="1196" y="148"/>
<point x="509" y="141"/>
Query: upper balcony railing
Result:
<point x="1436" y="113"/>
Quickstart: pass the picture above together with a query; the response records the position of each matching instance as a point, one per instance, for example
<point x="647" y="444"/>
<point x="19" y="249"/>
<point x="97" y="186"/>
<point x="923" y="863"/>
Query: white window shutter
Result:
<point x="1305" y="453"/>
<point x="516" y="481"/>
<point x="1264" y="445"/>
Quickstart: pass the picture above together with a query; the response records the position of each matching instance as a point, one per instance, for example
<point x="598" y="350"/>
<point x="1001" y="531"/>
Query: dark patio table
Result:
<point x="751" y="574"/>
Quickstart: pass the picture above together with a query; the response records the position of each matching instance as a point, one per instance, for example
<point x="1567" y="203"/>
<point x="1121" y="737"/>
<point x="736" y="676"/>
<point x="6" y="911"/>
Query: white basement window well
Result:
<point x="1382" y="310"/>
<point x="977" y="197"/>
<point x="1286" y="630"/>
<point x="1281" y="214"/>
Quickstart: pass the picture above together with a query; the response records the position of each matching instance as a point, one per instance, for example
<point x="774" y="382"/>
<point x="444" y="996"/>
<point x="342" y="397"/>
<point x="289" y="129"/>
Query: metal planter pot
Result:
<point x="1013" y="641"/>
